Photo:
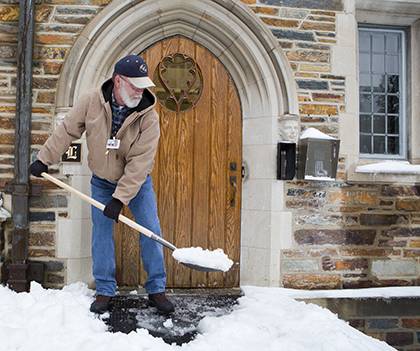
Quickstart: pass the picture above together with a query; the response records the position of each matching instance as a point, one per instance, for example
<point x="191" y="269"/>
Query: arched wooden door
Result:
<point x="197" y="173"/>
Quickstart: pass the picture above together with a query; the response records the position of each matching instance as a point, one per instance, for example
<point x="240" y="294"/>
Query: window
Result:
<point x="382" y="124"/>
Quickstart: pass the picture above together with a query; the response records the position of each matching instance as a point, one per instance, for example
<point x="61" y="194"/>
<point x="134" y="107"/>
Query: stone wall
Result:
<point x="368" y="234"/>
<point x="395" y="321"/>
<point x="57" y="25"/>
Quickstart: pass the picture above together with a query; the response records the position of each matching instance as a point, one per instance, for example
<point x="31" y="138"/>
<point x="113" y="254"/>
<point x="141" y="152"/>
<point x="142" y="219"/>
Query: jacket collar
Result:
<point x="146" y="103"/>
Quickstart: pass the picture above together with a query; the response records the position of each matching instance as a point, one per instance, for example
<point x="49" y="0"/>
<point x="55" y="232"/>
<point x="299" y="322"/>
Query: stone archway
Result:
<point x="261" y="74"/>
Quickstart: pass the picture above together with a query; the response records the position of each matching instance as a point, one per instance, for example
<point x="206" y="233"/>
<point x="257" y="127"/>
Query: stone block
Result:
<point x="309" y="56"/>
<point x="41" y="239"/>
<point x="42" y="12"/>
<point x="82" y="20"/>
<point x="48" y="201"/>
<point x="256" y="194"/>
<point x="9" y="13"/>
<point x="400" y="338"/>
<point x="328" y="27"/>
<point x="288" y="266"/>
<point x="45" y="97"/>
<point x="292" y="13"/>
<point x="41" y="216"/>
<point x="44" y="83"/>
<point x="381" y="219"/>
<point x="335" y="236"/>
<point x="394" y="268"/>
<point x="311" y="281"/>
<point x="312" y="84"/>
<point x="279" y="22"/>
<point x="79" y="270"/>
<point x="364" y="252"/>
<point x="54" y="266"/>
<point x="74" y="10"/>
<point x="352" y="197"/>
<point x="73" y="238"/>
<point x="55" y="279"/>
<point x="265" y="10"/>
<point x="256" y="226"/>
<point x="312" y="46"/>
<point x="402" y="232"/>
<point x="391" y="190"/>
<point x="408" y="205"/>
<point x="318" y="109"/>
<point x="336" y="5"/>
<point x="56" y="39"/>
<point x="351" y="264"/>
<point x="412" y="323"/>
<point x="314" y="67"/>
<point x="382" y="323"/>
<point x="52" y="67"/>
<point x="293" y="34"/>
<point x="50" y="53"/>
<point x="8" y="51"/>
<point x="32" y="253"/>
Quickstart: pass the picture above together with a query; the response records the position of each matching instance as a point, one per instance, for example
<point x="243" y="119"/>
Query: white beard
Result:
<point x="128" y="101"/>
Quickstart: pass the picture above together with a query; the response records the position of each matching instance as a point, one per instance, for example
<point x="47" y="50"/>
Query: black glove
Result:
<point x="37" y="167"/>
<point x="113" y="209"/>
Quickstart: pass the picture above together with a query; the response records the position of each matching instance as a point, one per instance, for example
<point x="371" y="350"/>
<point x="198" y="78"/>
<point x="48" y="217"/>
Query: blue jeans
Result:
<point x="143" y="207"/>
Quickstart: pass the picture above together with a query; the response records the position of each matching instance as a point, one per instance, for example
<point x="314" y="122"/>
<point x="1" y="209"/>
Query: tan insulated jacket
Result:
<point x="132" y="162"/>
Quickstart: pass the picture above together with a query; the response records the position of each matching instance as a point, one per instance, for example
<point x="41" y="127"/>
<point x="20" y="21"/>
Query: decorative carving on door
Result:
<point x="179" y="82"/>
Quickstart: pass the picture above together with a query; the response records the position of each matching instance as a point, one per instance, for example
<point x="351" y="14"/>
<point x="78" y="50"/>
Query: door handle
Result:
<point x="233" y="185"/>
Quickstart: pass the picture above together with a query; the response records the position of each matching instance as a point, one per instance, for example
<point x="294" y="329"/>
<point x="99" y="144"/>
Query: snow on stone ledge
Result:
<point x="385" y="292"/>
<point x="315" y="134"/>
<point x="326" y="179"/>
<point x="400" y="167"/>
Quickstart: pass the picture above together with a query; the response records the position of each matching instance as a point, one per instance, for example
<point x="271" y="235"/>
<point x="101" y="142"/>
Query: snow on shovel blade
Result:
<point x="203" y="260"/>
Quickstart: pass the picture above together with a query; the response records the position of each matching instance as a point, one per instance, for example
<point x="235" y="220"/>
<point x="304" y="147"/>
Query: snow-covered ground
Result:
<point x="265" y="319"/>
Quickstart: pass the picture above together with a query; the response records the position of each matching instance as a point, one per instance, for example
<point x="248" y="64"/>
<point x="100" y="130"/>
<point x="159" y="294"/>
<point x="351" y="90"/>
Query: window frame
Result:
<point x="403" y="134"/>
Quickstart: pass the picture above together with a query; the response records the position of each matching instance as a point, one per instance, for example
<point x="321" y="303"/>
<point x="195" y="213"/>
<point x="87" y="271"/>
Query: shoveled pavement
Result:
<point x="129" y="312"/>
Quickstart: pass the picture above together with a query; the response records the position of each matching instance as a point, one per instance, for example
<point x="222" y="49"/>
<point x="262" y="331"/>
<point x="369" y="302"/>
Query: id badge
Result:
<point x="113" y="144"/>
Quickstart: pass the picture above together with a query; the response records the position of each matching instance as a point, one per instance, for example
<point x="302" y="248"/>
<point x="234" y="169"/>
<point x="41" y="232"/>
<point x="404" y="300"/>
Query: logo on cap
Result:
<point x="143" y="68"/>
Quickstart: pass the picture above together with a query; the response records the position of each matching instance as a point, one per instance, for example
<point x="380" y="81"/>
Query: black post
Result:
<point x="18" y="279"/>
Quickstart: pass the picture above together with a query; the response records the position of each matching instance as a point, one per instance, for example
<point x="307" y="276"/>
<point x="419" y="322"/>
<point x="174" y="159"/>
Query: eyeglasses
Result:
<point x="138" y="90"/>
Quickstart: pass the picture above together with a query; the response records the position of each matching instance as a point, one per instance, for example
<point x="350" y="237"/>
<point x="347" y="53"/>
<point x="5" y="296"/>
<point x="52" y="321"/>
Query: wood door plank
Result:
<point x="218" y="163"/>
<point x="201" y="161"/>
<point x="233" y="211"/>
<point x="184" y="179"/>
<point x="167" y="169"/>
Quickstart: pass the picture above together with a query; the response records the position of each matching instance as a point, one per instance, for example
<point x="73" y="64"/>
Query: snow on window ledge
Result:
<point x="393" y="167"/>
<point x="384" y="172"/>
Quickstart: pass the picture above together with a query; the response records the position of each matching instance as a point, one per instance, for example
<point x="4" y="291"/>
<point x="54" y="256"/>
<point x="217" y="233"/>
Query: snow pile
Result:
<point x="215" y="259"/>
<point x="401" y="167"/>
<point x="264" y="319"/>
<point x="314" y="133"/>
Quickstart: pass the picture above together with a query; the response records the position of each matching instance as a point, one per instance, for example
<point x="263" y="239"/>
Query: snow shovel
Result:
<point x="127" y="221"/>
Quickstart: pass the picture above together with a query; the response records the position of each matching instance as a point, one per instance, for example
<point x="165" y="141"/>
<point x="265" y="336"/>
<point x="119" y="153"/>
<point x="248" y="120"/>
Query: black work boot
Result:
<point x="160" y="301"/>
<point x="101" y="304"/>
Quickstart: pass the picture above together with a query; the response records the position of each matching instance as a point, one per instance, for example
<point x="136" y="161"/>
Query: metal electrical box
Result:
<point x="318" y="159"/>
<point x="286" y="161"/>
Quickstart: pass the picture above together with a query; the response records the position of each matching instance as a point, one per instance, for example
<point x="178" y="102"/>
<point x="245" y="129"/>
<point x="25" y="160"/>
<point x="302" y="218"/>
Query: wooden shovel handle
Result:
<point x="101" y="206"/>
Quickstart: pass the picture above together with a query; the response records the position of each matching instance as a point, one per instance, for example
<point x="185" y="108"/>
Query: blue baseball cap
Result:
<point x="134" y="68"/>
